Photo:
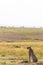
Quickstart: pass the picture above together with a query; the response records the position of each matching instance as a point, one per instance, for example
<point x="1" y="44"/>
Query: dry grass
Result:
<point x="10" y="50"/>
<point x="23" y="34"/>
<point x="18" y="49"/>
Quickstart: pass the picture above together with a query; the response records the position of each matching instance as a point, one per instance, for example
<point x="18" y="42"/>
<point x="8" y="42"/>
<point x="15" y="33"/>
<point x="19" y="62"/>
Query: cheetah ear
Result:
<point x="28" y="47"/>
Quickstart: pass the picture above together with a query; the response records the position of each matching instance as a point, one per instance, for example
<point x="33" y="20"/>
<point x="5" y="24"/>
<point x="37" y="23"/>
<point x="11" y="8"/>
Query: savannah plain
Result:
<point x="14" y="43"/>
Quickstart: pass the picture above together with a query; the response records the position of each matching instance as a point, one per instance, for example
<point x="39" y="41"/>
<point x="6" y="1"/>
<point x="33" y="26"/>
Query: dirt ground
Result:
<point x="27" y="64"/>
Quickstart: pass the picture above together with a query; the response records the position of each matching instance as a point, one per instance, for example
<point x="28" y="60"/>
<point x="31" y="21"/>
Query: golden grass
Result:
<point x="22" y="43"/>
<point x="7" y="49"/>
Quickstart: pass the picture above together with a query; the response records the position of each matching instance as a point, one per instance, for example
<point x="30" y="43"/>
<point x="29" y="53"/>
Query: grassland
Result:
<point x="23" y="34"/>
<point x="14" y="43"/>
<point x="19" y="50"/>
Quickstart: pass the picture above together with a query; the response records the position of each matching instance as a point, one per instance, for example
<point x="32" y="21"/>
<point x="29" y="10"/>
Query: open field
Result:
<point x="21" y="34"/>
<point x="16" y="52"/>
<point x="14" y="43"/>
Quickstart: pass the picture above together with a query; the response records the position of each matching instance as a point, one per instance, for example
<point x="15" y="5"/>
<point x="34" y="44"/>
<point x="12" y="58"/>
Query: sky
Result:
<point x="27" y="13"/>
